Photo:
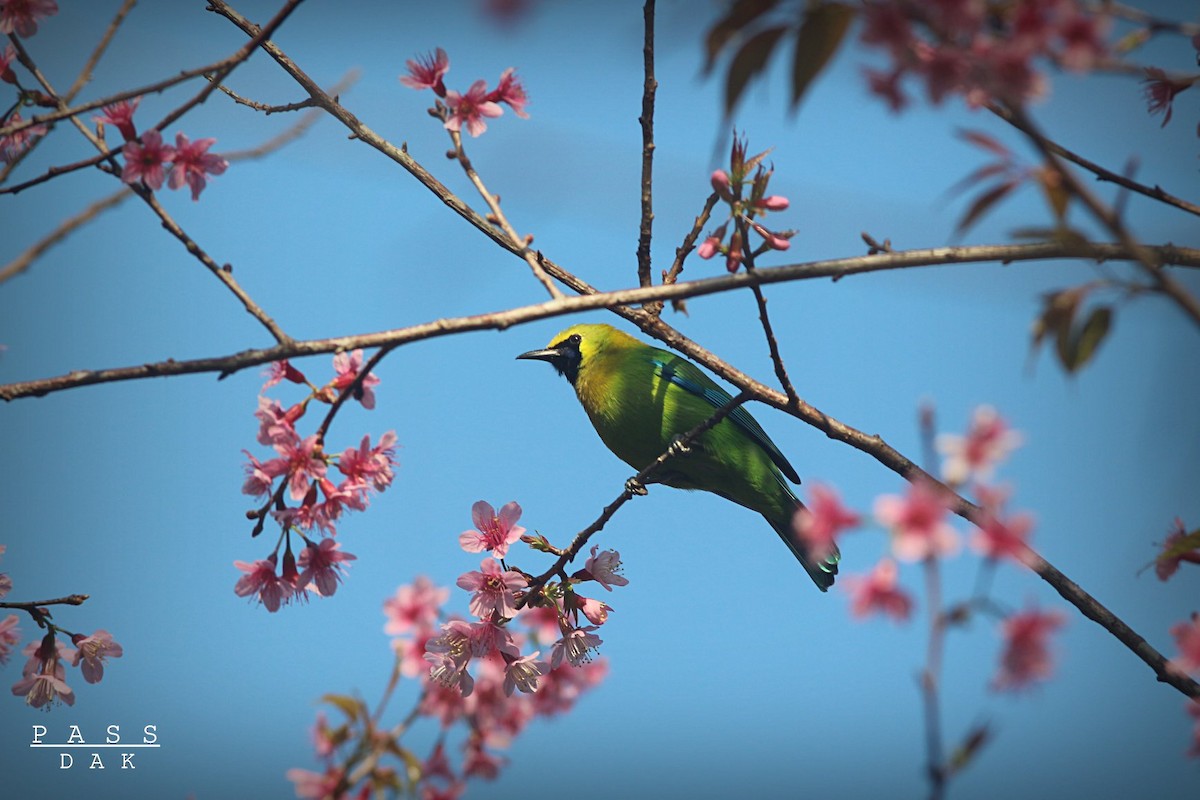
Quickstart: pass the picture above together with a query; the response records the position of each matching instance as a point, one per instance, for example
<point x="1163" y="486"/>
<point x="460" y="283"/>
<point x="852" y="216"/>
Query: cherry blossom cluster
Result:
<point x="148" y="160"/>
<point x="920" y="532"/>
<point x="980" y="50"/>
<point x="43" y="678"/>
<point x="743" y="188"/>
<point x="1182" y="547"/>
<point x="472" y="671"/>
<point x="465" y="109"/>
<point x="302" y="468"/>
<point x="21" y="17"/>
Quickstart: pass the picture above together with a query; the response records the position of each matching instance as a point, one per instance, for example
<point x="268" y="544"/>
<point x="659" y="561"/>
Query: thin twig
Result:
<point x="85" y="74"/>
<point x="1144" y="257"/>
<point x="498" y="217"/>
<point x="308" y="102"/>
<point x="1101" y="173"/>
<point x="619" y="301"/>
<point x="649" y="87"/>
<point x="678" y="446"/>
<point x="68" y="226"/>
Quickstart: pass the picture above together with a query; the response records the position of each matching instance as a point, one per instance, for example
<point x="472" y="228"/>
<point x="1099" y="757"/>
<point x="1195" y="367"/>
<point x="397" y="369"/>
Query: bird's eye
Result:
<point x="575" y="339"/>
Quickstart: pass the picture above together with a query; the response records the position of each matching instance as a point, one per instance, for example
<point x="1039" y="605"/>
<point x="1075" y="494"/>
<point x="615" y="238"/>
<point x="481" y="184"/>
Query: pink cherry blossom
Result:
<point x="22" y="16"/>
<point x="5" y="583"/>
<point x="709" y="247"/>
<point x="493" y="588"/>
<point x="438" y="764"/>
<point x="14" y="144"/>
<point x="451" y="791"/>
<point x="260" y="580"/>
<point x="415" y="605"/>
<point x="509" y="90"/>
<point x="275" y="424"/>
<point x="917" y="522"/>
<point x="819" y="523"/>
<point x="1026" y="656"/>
<point x="523" y="673"/>
<point x="348" y="367"/>
<point x="605" y="568"/>
<point x="145" y="160"/>
<point x="479" y="763"/>
<point x="493" y="531"/>
<point x="1161" y="90"/>
<point x="596" y="611"/>
<point x="411" y="652"/>
<point x="878" y="592"/>
<point x="6" y="59"/>
<point x="43" y="688"/>
<point x="321" y="566"/>
<point x="470" y="109"/>
<point x="258" y="480"/>
<point x="427" y="71"/>
<point x="1082" y="36"/>
<point x="10" y="636"/>
<point x="775" y="202"/>
<point x="93" y="650"/>
<point x="282" y="370"/>
<point x="1187" y="639"/>
<point x="988" y="442"/>
<point x="577" y="646"/>
<point x="120" y="115"/>
<point x="192" y="162"/>
<point x="304" y="463"/>
<point x="999" y="535"/>
<point x="316" y="785"/>
<point x="370" y="466"/>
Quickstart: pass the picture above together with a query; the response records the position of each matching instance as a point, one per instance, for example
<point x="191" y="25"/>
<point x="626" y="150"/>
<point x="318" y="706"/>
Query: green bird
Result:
<point x="641" y="399"/>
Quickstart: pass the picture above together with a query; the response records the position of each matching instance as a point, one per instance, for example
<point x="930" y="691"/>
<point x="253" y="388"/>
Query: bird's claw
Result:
<point x="678" y="447"/>
<point x="636" y="487"/>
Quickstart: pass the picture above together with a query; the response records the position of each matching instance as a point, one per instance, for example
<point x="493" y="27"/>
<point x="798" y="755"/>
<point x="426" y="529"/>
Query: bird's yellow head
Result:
<point x="579" y="345"/>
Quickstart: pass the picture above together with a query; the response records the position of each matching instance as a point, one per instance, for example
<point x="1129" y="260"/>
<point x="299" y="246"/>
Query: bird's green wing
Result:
<point x="688" y="376"/>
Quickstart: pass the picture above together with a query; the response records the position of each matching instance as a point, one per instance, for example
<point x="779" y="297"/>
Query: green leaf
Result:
<point x="748" y="62"/>
<point x="346" y="704"/>
<point x="1084" y="343"/>
<point x="817" y="40"/>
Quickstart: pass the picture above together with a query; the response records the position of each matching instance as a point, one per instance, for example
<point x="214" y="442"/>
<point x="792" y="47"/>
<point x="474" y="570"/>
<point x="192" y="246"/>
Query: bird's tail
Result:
<point x="822" y="571"/>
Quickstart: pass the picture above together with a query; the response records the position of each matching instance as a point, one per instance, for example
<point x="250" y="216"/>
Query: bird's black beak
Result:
<point x="564" y="357"/>
<point x="554" y="355"/>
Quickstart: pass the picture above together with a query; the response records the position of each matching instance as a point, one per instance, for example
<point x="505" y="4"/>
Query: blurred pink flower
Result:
<point x="917" y="522"/>
<point x="877" y="592"/>
<point x="414" y="605"/>
<point x="988" y="442"/>
<point x="10" y="636"/>
<point x="1026" y="656"/>
<point x="192" y="162"/>
<point x="509" y="90"/>
<point x="1187" y="639"/>
<point x="22" y="16"/>
<point x="348" y="366"/>
<point x="145" y="160"/>
<point x="427" y="71"/>
<point x="818" y="524"/>
<point x="469" y="109"/>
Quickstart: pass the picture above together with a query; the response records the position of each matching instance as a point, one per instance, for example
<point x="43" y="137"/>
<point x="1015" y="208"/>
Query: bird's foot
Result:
<point x="678" y="447"/>
<point x="636" y="487"/>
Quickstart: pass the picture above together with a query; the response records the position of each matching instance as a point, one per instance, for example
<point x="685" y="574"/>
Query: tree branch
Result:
<point x="649" y="87"/>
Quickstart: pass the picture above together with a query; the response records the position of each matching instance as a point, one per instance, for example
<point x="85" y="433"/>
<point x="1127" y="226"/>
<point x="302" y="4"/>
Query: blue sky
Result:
<point x="729" y="674"/>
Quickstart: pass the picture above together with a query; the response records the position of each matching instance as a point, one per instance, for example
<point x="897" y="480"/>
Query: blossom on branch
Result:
<point x="192" y="162"/>
<point x="321" y="566"/>
<point x="605" y="568"/>
<point x="92" y="651"/>
<point x="427" y="71"/>
<point x="14" y="144"/>
<point x="1187" y="639"/>
<point x="469" y="109"/>
<point x="493" y="531"/>
<point x="145" y="160"/>
<point x="262" y="582"/>
<point x="120" y="115"/>
<point x="493" y="589"/>
<point x="987" y="443"/>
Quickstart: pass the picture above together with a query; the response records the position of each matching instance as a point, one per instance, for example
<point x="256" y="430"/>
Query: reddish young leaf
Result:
<point x="817" y="40"/>
<point x="984" y="202"/>
<point x="742" y="13"/>
<point x="986" y="142"/>
<point x="748" y="62"/>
